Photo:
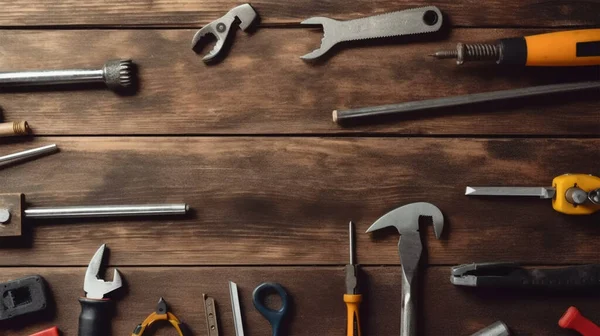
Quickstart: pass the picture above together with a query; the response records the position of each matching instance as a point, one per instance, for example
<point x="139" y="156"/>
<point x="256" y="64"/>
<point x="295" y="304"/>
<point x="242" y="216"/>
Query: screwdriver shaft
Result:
<point x="541" y="192"/>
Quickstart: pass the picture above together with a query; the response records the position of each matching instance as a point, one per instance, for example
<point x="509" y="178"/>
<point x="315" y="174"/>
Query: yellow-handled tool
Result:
<point x="566" y="48"/>
<point x="352" y="298"/>
<point x="571" y="194"/>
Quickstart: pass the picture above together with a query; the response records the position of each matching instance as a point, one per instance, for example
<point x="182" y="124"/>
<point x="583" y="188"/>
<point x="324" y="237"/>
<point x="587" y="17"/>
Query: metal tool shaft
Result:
<point x="342" y="116"/>
<point x="541" y="192"/>
<point x="30" y="153"/>
<point x="496" y="329"/>
<point x="107" y="211"/>
<point x="50" y="77"/>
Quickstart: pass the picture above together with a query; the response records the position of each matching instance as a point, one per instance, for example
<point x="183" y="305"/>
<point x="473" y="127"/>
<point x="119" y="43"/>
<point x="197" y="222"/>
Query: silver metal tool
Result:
<point x="244" y="14"/>
<point x="28" y="154"/>
<point x="118" y="75"/>
<point x="107" y="211"/>
<point x="498" y="328"/>
<point x="210" y="310"/>
<point x="541" y="192"/>
<point x="96" y="310"/>
<point x="406" y="220"/>
<point x="14" y="211"/>
<point x="407" y="22"/>
<point x="341" y="116"/>
<point x="235" y="307"/>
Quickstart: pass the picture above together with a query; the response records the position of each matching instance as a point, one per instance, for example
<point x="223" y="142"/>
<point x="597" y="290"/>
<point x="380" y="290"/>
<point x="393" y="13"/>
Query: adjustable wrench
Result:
<point x="96" y="311"/>
<point x="407" y="22"/>
<point x="406" y="220"/>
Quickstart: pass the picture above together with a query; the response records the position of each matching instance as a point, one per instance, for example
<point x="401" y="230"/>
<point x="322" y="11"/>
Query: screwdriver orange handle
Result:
<point x="352" y="306"/>
<point x="572" y="319"/>
<point x="566" y="48"/>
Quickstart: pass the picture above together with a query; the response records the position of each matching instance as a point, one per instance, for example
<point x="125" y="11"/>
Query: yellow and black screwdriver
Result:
<point x="566" y="48"/>
<point x="352" y="298"/>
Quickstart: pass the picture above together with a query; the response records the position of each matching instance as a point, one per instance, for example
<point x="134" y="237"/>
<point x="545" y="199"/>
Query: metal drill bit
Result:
<point x="118" y="75"/>
<point x="27" y="154"/>
<point x="471" y="52"/>
<point x="342" y="116"/>
<point x="541" y="192"/>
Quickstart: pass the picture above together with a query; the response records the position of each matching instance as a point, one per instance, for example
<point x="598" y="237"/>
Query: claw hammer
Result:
<point x="406" y="220"/>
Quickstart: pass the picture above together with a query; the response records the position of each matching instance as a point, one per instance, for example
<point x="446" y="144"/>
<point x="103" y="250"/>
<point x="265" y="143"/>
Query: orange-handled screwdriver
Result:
<point x="352" y="298"/>
<point x="565" y="48"/>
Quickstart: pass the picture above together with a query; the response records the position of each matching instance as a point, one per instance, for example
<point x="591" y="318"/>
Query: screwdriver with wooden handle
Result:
<point x="352" y="298"/>
<point x="565" y="48"/>
<point x="571" y="194"/>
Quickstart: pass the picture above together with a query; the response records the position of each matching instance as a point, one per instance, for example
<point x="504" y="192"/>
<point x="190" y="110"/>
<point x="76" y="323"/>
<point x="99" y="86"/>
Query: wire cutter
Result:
<point x="161" y="314"/>
<point x="511" y="275"/>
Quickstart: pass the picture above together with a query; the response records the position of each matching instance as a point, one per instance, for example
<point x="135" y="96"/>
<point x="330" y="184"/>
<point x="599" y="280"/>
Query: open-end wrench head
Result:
<point x="327" y="42"/>
<point x="244" y="15"/>
<point x="406" y="218"/>
<point x="94" y="287"/>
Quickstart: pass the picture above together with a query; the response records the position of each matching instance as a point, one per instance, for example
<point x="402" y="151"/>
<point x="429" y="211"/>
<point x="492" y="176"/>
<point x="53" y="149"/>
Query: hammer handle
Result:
<point x="408" y="324"/>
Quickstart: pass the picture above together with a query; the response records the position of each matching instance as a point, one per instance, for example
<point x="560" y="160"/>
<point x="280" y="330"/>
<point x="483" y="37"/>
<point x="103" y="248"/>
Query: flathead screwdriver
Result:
<point x="352" y="298"/>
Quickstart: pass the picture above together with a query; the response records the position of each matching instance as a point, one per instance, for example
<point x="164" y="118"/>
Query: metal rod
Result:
<point x="235" y="307"/>
<point x="30" y="153"/>
<point x="541" y="192"/>
<point x="107" y="211"/>
<point x="352" y="246"/>
<point x="422" y="105"/>
<point x="50" y="77"/>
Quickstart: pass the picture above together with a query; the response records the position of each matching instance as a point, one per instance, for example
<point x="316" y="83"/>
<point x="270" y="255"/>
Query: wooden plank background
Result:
<point x="250" y="145"/>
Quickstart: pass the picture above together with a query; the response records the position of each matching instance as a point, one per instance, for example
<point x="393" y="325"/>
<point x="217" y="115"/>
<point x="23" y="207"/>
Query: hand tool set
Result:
<point x="574" y="194"/>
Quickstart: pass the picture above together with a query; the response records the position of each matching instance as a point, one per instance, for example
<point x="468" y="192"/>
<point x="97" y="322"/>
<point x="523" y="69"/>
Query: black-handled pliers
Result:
<point x="512" y="275"/>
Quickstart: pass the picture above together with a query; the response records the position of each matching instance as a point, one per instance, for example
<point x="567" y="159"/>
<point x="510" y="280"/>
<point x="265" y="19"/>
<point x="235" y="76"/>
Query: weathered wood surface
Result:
<point x="317" y="301"/>
<point x="288" y="200"/>
<point x="186" y="13"/>
<point x="263" y="87"/>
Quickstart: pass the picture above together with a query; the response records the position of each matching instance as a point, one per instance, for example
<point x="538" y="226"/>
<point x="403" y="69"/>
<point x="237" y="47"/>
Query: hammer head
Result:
<point x="406" y="218"/>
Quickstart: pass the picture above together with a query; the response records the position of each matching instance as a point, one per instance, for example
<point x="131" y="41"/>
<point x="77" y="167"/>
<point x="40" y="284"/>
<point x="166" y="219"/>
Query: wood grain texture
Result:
<point x="262" y="87"/>
<point x="287" y="201"/>
<point x="317" y="301"/>
<point x="186" y="13"/>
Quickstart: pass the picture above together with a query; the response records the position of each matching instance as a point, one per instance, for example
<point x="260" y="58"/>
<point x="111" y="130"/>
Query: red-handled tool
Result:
<point x="572" y="319"/>
<point x="48" y="332"/>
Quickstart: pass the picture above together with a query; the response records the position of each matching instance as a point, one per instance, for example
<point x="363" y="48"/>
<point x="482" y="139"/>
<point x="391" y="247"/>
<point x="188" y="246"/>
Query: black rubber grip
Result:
<point x="95" y="317"/>
<point x="513" y="51"/>
<point x="566" y="278"/>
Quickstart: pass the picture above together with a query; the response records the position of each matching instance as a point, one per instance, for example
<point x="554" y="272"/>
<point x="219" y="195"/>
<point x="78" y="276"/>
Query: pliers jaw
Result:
<point x="494" y="274"/>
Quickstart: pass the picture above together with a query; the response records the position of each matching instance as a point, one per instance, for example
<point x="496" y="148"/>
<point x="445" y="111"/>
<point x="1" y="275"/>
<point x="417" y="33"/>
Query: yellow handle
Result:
<point x="585" y="182"/>
<point x="352" y="305"/>
<point x="567" y="48"/>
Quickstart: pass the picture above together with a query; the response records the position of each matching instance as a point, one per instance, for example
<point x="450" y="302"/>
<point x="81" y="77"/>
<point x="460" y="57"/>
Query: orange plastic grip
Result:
<point x="567" y="48"/>
<point x="572" y="319"/>
<point x="352" y="305"/>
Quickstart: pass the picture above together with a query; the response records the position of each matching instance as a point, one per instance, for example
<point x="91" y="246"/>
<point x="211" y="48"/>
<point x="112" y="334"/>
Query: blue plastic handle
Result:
<point x="273" y="316"/>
